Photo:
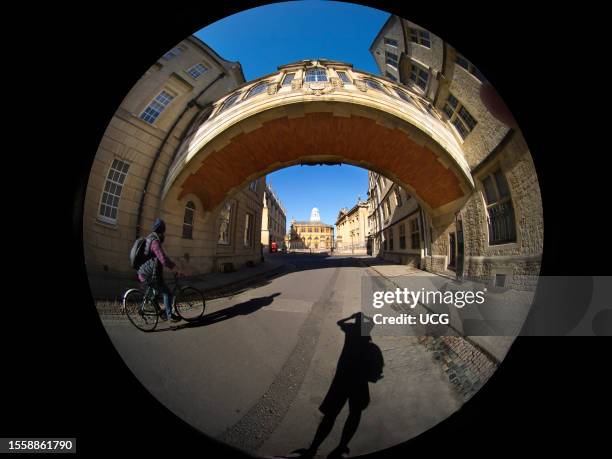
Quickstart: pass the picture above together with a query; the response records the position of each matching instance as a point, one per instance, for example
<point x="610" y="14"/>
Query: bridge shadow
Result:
<point x="361" y="361"/>
<point x="240" y="309"/>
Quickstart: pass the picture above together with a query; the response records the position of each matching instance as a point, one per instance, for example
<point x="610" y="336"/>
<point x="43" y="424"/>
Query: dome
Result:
<point x="314" y="215"/>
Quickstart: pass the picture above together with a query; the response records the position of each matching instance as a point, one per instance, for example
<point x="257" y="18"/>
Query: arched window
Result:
<point x="257" y="89"/>
<point x="374" y="85"/>
<point x="316" y="74"/>
<point x="188" y="220"/>
<point x="231" y="100"/>
<point x="403" y="95"/>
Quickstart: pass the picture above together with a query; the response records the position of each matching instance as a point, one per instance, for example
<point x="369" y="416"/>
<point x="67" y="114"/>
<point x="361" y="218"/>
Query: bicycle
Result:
<point x="143" y="308"/>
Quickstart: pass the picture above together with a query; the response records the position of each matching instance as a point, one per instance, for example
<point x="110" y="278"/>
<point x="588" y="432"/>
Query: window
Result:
<point x="197" y="70"/>
<point x="390" y="42"/>
<point x="109" y="203"/>
<point x="467" y="65"/>
<point x="502" y="227"/>
<point x="288" y="79"/>
<point x="253" y="186"/>
<point x="248" y="230"/>
<point x="225" y="217"/>
<point x="402" y="236"/>
<point x="374" y="85"/>
<point x="257" y="89"/>
<point x="458" y="115"/>
<point x="231" y="100"/>
<point x="391" y="59"/>
<point x="421" y="37"/>
<point x="415" y="235"/>
<point x="173" y="53"/>
<point x="419" y="76"/>
<point x="390" y="76"/>
<point x="500" y="280"/>
<point x="344" y="77"/>
<point x="388" y="207"/>
<point x="390" y="238"/>
<point x="403" y="95"/>
<point x="398" y="197"/>
<point x="156" y="107"/>
<point x="316" y="74"/>
<point x="188" y="220"/>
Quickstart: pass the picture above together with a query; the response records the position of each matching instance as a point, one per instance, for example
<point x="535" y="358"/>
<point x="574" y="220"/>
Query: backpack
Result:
<point x="141" y="252"/>
<point x="373" y="362"/>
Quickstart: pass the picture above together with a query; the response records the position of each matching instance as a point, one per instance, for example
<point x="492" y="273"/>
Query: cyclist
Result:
<point x="151" y="272"/>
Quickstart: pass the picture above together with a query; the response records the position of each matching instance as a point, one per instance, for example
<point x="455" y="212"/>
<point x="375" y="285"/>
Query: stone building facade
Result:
<point x="123" y="195"/>
<point x="352" y="229"/>
<point x="463" y="162"/>
<point x="396" y="230"/>
<point x="497" y="236"/>
<point x="273" y="220"/>
<point x="310" y="236"/>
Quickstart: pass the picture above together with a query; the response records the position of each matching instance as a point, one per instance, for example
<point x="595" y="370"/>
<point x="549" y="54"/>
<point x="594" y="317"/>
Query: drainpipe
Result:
<point x="190" y="104"/>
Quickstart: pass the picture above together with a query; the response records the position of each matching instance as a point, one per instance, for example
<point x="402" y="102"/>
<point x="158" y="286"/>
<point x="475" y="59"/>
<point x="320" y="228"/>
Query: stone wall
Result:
<point x="488" y="132"/>
<point x="137" y="143"/>
<point x="520" y="258"/>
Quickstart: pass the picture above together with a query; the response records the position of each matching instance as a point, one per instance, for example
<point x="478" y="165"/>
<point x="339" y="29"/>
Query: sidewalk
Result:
<point x="215" y="285"/>
<point x="491" y="326"/>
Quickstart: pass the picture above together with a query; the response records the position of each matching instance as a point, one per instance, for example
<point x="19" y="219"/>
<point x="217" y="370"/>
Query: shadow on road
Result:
<point x="361" y="361"/>
<point x="240" y="309"/>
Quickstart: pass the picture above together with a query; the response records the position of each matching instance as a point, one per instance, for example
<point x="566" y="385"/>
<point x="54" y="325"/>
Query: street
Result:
<point x="254" y="372"/>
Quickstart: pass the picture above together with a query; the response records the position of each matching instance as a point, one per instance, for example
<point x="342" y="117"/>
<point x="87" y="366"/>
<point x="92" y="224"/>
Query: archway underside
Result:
<point x="323" y="137"/>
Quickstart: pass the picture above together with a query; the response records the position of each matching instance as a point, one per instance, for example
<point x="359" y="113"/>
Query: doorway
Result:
<point x="452" y="248"/>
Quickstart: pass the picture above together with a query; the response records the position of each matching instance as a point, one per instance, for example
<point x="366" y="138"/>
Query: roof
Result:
<point x="344" y="212"/>
<point x="385" y="25"/>
<point x="321" y="61"/>
<point x="309" y="223"/>
<point x="234" y="65"/>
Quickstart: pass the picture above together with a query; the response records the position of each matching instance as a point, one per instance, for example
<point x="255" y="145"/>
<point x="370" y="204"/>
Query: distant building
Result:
<point x="273" y="220"/>
<point x="352" y="229"/>
<point x="396" y="231"/>
<point x="311" y="236"/>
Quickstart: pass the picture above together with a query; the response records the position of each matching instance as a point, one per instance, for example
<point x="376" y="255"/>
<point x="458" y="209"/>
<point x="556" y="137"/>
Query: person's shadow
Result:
<point x="361" y="361"/>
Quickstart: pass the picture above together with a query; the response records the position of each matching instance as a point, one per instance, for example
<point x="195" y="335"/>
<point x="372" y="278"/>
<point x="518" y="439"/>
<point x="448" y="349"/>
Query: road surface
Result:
<point x="254" y="373"/>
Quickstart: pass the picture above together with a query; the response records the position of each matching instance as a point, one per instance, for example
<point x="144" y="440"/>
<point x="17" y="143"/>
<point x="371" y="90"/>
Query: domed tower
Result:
<point x="314" y="215"/>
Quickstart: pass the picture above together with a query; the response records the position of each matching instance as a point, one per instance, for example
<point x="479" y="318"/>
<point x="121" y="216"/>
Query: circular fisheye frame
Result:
<point x="310" y="337"/>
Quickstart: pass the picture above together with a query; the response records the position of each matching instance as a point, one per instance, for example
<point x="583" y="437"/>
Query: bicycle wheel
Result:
<point x="142" y="313"/>
<point x="190" y="304"/>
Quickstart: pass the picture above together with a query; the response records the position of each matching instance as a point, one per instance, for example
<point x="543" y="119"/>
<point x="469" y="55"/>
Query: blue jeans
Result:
<point x="165" y="291"/>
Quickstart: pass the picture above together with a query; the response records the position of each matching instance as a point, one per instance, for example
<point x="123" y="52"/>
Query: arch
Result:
<point x="376" y="130"/>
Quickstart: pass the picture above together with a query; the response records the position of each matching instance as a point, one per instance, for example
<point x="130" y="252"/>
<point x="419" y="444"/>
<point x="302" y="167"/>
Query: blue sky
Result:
<point x="265" y="37"/>
<point x="328" y="188"/>
<point x="268" y="36"/>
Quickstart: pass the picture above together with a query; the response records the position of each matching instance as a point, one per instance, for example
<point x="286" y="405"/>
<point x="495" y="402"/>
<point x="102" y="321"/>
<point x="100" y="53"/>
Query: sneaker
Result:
<point x="175" y="318"/>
